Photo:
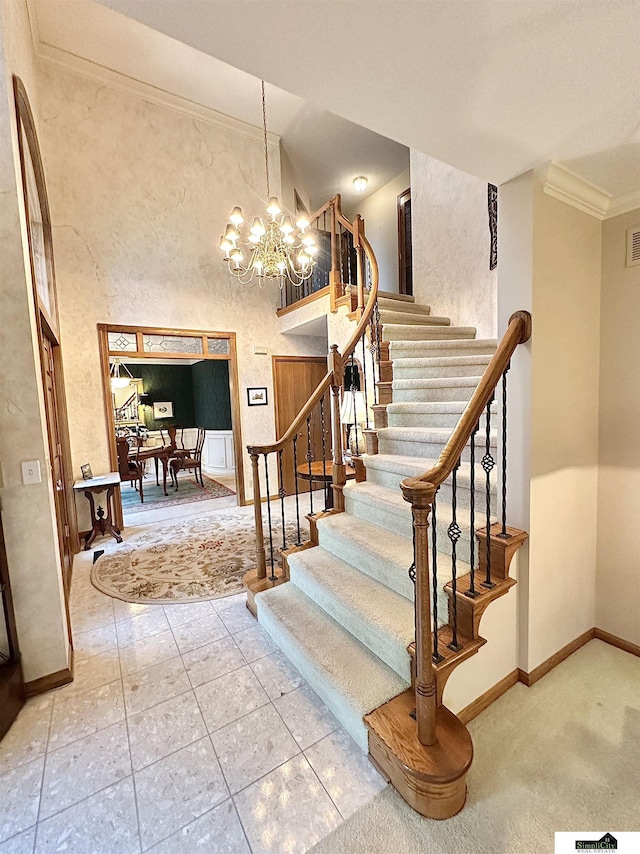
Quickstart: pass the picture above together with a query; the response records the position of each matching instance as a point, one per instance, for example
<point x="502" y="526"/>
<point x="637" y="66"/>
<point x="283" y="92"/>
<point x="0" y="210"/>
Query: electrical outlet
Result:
<point x="31" y="472"/>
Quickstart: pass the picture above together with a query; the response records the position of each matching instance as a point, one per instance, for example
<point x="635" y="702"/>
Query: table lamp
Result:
<point x="353" y="413"/>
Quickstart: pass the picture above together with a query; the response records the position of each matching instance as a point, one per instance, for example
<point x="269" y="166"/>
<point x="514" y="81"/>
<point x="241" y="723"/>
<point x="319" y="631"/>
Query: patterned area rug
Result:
<point x="198" y="558"/>
<point x="188" y="491"/>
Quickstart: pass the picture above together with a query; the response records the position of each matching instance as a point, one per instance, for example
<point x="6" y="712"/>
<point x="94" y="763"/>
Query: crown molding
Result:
<point x="570" y="188"/>
<point x="623" y="204"/>
<point x="565" y="185"/>
<point x="48" y="54"/>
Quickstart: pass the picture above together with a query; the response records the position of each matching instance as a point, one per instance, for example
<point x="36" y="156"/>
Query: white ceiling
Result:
<point x="492" y="87"/>
<point x="326" y="151"/>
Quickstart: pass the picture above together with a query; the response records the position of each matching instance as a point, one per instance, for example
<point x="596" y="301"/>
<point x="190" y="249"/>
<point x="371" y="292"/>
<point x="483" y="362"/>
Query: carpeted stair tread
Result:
<point x="407" y="466"/>
<point x="356" y="541"/>
<point x="450" y="347"/>
<point x="387" y="304"/>
<point x="377" y="616"/>
<point x="441" y="361"/>
<point x="411" y="318"/>
<point x="387" y="510"/>
<point x="345" y="674"/>
<point x="412" y="332"/>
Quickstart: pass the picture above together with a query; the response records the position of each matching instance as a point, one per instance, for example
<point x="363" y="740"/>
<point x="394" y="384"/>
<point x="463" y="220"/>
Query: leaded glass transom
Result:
<point x="219" y="346"/>
<point x="172" y="344"/>
<point x="122" y="342"/>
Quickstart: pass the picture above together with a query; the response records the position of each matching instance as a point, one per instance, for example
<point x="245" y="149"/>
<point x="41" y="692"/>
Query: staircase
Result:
<point x="385" y="599"/>
<point x="346" y="620"/>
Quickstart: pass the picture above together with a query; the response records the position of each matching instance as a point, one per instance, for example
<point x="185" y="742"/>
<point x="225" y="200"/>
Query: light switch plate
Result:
<point x="31" y="472"/>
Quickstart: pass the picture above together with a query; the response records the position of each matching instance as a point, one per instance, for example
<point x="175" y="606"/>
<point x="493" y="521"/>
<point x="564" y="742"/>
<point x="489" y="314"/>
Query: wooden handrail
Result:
<point x="518" y="331"/>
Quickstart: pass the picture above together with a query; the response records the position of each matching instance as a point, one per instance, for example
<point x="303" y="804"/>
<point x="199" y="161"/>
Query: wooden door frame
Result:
<point x="140" y="353"/>
<point x="274" y="361"/>
<point x="403" y="198"/>
<point x="47" y="323"/>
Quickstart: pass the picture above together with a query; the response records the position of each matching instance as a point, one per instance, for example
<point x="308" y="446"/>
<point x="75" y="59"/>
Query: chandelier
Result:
<point x="271" y="249"/>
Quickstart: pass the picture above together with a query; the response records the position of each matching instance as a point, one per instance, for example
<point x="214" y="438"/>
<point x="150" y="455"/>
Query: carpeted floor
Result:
<point x="188" y="491"/>
<point x="563" y="755"/>
<point x="193" y="559"/>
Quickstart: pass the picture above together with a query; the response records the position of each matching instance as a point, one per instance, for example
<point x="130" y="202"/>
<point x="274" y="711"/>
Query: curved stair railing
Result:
<point x="423" y="747"/>
<point x="312" y="449"/>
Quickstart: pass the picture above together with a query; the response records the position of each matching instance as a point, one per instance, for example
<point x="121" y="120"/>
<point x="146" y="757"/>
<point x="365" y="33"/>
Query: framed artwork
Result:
<point x="162" y="409"/>
<point x="257" y="396"/>
<point x="86" y="472"/>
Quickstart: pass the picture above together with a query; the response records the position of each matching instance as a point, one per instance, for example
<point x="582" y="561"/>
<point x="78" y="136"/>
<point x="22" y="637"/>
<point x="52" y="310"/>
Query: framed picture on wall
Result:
<point x="162" y="409"/>
<point x="257" y="396"/>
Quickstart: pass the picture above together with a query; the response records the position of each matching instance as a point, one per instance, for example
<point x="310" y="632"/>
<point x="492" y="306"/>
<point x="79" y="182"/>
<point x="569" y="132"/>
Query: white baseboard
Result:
<point x="214" y="472"/>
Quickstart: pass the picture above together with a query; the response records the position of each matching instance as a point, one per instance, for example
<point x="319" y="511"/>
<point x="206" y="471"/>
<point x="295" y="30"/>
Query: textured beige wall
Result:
<point x="139" y="196"/>
<point x="27" y="511"/>
<point x="380" y="214"/>
<point x="564" y="425"/>
<point x="451" y="245"/>
<point x="618" y="590"/>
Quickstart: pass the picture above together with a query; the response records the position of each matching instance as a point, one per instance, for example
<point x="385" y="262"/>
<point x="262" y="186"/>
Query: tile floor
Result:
<point x="184" y="729"/>
<point x="190" y="508"/>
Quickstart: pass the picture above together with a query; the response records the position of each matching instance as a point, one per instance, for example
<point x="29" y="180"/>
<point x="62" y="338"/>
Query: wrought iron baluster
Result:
<point x="272" y="577"/>
<point x="372" y="350"/>
<point x="376" y="317"/>
<point x="309" y="460"/>
<point x="349" y="242"/>
<point x="324" y="457"/>
<point x="503" y="533"/>
<point x="295" y="473"/>
<point x="353" y="436"/>
<point x="364" y="376"/>
<point x="282" y="492"/>
<point x="437" y="658"/>
<point x="472" y="592"/>
<point x="454" y="532"/>
<point x="487" y="464"/>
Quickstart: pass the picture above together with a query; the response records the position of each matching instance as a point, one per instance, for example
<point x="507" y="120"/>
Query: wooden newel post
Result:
<point x="335" y="366"/>
<point x="335" y="284"/>
<point x="421" y="496"/>
<point x="257" y="511"/>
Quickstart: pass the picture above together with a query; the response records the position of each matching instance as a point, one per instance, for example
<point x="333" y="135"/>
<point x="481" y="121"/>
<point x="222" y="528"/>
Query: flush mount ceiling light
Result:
<point x="360" y="184"/>
<point x="276" y="249"/>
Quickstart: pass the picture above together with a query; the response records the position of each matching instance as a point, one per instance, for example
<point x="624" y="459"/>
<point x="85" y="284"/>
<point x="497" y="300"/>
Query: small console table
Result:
<point x="101" y="524"/>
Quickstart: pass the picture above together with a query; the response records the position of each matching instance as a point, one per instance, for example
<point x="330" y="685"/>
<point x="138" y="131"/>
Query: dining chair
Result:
<point x="131" y="471"/>
<point x="190" y="460"/>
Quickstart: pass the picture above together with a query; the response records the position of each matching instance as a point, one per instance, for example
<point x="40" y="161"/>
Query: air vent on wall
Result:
<point x="633" y="246"/>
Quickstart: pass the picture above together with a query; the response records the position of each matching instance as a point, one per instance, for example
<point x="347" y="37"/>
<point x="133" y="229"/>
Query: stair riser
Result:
<point x="349" y="551"/>
<point x="403" y="525"/>
<point x="419" y="420"/>
<point x="411" y="372"/>
<point x="408" y="332"/>
<point x="392" y="480"/>
<point x="428" y="395"/>
<point x="412" y="318"/>
<point x="386" y="647"/>
<point x="351" y="721"/>
<point x="435" y="350"/>
<point x="428" y="450"/>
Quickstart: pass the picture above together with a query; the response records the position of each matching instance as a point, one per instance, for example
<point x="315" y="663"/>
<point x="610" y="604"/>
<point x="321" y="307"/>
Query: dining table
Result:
<point x="159" y="454"/>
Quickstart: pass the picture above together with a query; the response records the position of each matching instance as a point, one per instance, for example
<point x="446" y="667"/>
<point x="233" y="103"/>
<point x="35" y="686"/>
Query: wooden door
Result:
<point x="295" y="378"/>
<point x="61" y="481"/>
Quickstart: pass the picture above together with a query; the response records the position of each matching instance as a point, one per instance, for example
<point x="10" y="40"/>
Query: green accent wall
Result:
<point x="199" y="393"/>
<point x="167" y="382"/>
<point x="211" y="397"/>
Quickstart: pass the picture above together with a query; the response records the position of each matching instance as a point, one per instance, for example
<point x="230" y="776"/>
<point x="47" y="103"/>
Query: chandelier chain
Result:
<point x="266" y="150"/>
